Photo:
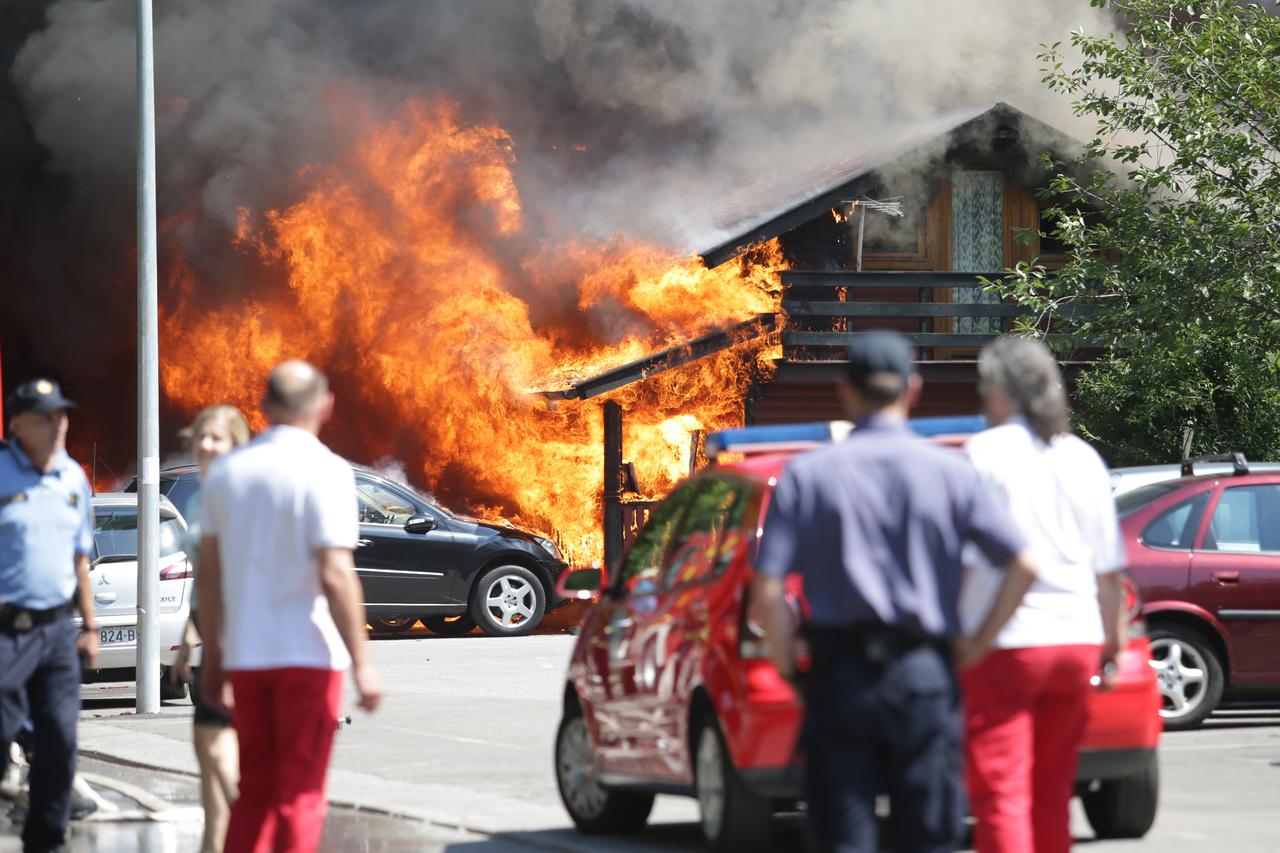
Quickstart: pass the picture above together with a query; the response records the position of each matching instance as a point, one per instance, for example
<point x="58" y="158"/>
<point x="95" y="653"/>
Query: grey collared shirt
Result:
<point x="876" y="524"/>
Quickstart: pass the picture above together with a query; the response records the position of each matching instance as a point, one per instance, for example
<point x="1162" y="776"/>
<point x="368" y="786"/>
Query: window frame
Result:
<point x="1207" y="521"/>
<point x="1191" y="526"/>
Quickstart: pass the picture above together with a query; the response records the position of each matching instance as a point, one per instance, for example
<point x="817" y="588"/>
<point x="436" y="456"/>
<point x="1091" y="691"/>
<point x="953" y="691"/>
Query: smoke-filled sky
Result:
<point x="627" y="116"/>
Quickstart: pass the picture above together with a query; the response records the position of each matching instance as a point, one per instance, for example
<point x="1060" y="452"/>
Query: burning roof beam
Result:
<point x="693" y="350"/>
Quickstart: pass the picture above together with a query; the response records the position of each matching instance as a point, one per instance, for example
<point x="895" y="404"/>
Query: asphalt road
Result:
<point x="463" y="746"/>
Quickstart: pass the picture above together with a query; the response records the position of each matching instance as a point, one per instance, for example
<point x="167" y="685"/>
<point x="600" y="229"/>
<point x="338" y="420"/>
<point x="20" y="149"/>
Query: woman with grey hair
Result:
<point x="1025" y="697"/>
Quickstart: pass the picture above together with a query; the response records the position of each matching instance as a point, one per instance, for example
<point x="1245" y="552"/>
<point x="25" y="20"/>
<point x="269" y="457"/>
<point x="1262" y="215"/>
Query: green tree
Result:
<point x="1177" y="243"/>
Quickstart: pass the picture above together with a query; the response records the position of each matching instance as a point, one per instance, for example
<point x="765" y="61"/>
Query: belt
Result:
<point x="876" y="644"/>
<point x="22" y="619"/>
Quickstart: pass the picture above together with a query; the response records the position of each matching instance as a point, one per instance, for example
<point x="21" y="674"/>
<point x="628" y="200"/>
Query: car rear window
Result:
<point x="1132" y="501"/>
<point x="115" y="534"/>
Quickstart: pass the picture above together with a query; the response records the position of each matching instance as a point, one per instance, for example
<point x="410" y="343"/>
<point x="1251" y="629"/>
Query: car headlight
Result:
<point x="551" y="547"/>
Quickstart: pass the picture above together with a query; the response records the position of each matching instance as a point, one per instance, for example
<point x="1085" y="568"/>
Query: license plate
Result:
<point x="117" y="636"/>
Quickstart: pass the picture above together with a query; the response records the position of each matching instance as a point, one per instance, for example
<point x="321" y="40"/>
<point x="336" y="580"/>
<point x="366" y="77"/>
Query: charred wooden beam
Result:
<point x="612" y="485"/>
<point x="667" y="359"/>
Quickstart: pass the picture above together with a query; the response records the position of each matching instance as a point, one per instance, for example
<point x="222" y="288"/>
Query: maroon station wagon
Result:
<point x="1205" y="553"/>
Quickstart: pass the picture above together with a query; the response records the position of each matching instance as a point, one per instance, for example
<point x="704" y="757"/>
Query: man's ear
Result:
<point x="915" y="385"/>
<point x="326" y="408"/>
<point x="846" y="395"/>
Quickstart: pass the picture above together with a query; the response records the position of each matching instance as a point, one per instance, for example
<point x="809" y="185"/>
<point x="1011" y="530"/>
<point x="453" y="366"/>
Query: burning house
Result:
<point x="479" y="219"/>
<point x="895" y="239"/>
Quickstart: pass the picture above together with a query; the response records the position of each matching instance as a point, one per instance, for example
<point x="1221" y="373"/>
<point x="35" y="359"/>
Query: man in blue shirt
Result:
<point x="875" y="525"/>
<point x="46" y="537"/>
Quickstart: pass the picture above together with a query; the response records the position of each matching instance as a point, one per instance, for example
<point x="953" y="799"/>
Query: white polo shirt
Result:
<point x="272" y="505"/>
<point x="1059" y="495"/>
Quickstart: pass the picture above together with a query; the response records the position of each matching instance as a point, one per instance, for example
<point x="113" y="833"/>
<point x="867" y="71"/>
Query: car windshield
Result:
<point x="1140" y="497"/>
<point x="115" y="533"/>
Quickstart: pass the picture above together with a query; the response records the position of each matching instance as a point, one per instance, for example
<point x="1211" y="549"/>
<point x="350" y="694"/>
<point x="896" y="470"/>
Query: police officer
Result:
<point x="46" y="536"/>
<point x="875" y="525"/>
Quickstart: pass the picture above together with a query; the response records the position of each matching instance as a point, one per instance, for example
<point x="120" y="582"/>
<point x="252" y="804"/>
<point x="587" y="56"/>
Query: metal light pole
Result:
<point x="148" y="662"/>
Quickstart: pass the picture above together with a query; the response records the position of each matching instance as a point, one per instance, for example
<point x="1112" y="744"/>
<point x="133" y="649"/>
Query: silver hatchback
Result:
<point x="113" y="577"/>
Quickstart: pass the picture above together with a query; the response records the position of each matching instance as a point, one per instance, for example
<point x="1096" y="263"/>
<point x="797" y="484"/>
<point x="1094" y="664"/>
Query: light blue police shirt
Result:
<point x="46" y="520"/>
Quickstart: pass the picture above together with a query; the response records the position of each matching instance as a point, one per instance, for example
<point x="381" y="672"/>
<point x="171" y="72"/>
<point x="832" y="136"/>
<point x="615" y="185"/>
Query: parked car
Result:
<point x="113" y="575"/>
<point x="670" y="688"/>
<point x="417" y="560"/>
<point x="1125" y="480"/>
<point x="1205" y="552"/>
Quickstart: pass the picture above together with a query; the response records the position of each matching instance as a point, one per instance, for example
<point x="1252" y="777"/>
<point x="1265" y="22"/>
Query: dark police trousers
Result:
<point x="40" y="678"/>
<point x="884" y="722"/>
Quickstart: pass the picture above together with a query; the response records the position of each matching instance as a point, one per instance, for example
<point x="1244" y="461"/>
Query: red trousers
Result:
<point x="285" y="720"/>
<point x="1025" y="713"/>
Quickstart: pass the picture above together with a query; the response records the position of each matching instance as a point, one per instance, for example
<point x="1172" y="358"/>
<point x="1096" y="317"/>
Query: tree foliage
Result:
<point x="1176" y="243"/>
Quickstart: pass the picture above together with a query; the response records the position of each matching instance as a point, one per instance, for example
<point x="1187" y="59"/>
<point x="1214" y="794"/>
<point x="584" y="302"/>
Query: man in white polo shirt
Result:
<point x="282" y="611"/>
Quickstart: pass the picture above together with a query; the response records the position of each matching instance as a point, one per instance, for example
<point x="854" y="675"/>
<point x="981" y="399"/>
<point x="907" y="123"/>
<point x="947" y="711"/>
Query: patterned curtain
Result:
<point x="977" y="244"/>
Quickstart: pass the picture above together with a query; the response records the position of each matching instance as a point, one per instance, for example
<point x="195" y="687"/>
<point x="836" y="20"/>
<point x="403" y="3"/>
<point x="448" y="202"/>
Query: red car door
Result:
<point x="1235" y="574"/>
<point x="671" y="640"/>
<point x="624" y="742"/>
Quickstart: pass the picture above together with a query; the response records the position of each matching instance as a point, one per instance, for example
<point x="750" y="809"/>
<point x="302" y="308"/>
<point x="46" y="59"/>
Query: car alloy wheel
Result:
<point x="734" y="818"/>
<point x="1188" y="675"/>
<point x="392" y="624"/>
<point x="508" y="601"/>
<point x="593" y="807"/>
<point x="576" y="772"/>
<point x="710" y="778"/>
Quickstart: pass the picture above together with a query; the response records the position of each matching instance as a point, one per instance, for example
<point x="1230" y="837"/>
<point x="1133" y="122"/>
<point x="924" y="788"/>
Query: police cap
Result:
<point x="39" y="395"/>
<point x="880" y="362"/>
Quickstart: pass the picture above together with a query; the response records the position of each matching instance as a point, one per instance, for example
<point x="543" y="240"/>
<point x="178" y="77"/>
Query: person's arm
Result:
<point x="768" y="598"/>
<point x="190" y="636"/>
<point x="209" y="588"/>
<point x="1019" y="575"/>
<point x="1115" y="621"/>
<point x="87" y="642"/>
<point x="346" y="604"/>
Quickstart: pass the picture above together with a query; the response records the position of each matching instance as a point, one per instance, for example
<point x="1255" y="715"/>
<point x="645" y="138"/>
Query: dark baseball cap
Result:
<point x="39" y="395"/>
<point x="878" y="357"/>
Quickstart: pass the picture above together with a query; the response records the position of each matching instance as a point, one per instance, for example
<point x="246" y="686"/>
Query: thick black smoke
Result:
<point x="628" y="116"/>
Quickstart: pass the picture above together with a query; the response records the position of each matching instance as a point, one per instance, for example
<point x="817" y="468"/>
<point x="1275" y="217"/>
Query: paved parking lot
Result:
<point x="463" y="746"/>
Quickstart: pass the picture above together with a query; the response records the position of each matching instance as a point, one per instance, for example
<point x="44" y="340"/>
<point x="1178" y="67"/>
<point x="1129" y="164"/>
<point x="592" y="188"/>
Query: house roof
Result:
<point x="765" y="210"/>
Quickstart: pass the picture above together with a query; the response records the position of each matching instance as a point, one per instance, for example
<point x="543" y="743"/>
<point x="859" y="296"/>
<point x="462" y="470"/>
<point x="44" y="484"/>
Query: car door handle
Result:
<point x="1225" y="578"/>
<point x="363" y="543"/>
<point x="105" y="597"/>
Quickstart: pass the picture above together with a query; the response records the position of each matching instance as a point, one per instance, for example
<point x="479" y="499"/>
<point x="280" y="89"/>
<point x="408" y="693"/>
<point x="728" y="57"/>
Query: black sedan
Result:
<point x="417" y="560"/>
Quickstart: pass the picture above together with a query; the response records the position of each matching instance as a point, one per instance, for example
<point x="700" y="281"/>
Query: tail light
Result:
<point x="180" y="570"/>
<point x="1133" y="607"/>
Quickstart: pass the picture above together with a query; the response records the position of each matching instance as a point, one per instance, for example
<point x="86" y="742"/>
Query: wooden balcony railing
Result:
<point x="826" y="309"/>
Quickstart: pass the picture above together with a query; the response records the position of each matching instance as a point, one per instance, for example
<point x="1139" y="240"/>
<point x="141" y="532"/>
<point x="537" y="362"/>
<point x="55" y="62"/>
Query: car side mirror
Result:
<point x="581" y="584"/>
<point x="420" y="524"/>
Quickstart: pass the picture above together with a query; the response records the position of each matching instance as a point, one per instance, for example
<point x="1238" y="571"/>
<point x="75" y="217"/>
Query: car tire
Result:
<point x="508" y="601"/>
<point x="450" y="626"/>
<point x="594" y="809"/>
<point x="392" y="624"/>
<point x="1177" y="651"/>
<point x="734" y="818"/>
<point x="171" y="690"/>
<point x="1125" y="807"/>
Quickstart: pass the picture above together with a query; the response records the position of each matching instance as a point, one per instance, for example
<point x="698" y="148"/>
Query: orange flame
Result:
<point x="409" y="272"/>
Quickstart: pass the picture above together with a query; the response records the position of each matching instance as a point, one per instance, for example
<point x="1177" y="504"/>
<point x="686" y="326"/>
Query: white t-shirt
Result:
<point x="272" y="505"/>
<point x="1059" y="495"/>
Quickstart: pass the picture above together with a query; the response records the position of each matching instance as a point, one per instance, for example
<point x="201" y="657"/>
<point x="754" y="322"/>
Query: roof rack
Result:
<point x="1239" y="465"/>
